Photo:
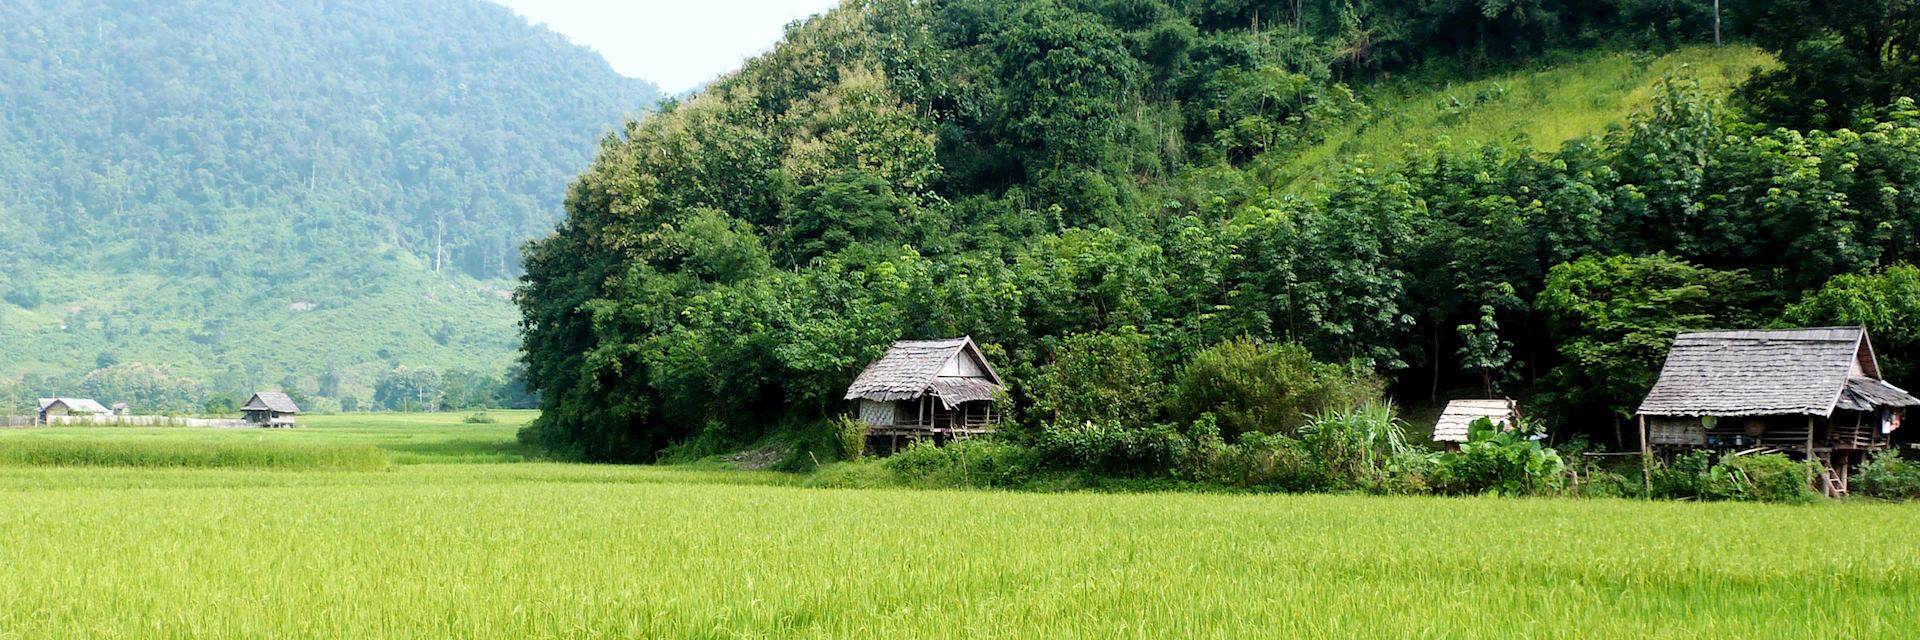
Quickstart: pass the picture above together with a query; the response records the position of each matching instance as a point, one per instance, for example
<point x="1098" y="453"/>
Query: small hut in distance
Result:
<point x="936" y="389"/>
<point x="1459" y="416"/>
<point x="55" y="408"/>
<point x="269" y="409"/>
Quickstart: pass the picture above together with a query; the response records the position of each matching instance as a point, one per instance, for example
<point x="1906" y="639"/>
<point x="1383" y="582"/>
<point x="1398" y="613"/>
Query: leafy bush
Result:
<point x="853" y="437"/>
<point x="1499" y="461"/>
<point x="1268" y="462"/>
<point x="1887" y="475"/>
<point x="1355" y="445"/>
<point x="972" y="462"/>
<point x="1259" y="388"/>
<point x="1104" y="378"/>
<point x="1766" y="478"/>
<point x="1105" y="447"/>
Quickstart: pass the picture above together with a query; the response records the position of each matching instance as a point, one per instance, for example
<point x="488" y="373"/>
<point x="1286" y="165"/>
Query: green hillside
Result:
<point x="242" y="194"/>
<point x="1546" y="103"/>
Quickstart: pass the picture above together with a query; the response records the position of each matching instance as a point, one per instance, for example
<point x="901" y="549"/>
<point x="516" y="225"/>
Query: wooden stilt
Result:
<point x="1646" y="459"/>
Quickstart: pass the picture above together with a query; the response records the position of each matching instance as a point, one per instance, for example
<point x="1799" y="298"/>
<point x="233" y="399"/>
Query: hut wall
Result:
<point x="878" y="414"/>
<point x="1676" y="431"/>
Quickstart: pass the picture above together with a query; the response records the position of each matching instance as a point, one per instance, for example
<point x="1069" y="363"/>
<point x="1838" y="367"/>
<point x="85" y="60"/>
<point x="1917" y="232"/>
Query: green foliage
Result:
<point x="853" y="438"/>
<point x="1099" y="381"/>
<point x="1886" y="302"/>
<point x="1840" y="58"/>
<point x="1888" y="476"/>
<point x="1104" y="191"/>
<point x="1357" y="444"/>
<point x="1251" y="387"/>
<point x="479" y="417"/>
<point x="1508" y="462"/>
<point x="1698" y="475"/>
<point x="1267" y="463"/>
<point x="1615" y="318"/>
<point x="970" y="462"/>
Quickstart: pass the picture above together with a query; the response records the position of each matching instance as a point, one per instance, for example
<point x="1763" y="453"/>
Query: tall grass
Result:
<point x="234" y="455"/>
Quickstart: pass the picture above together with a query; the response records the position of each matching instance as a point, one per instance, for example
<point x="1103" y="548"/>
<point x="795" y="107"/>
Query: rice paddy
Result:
<point x="444" y="547"/>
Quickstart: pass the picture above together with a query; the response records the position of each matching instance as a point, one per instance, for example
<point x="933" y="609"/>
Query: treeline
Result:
<point x="149" y="390"/>
<point x="1068" y="180"/>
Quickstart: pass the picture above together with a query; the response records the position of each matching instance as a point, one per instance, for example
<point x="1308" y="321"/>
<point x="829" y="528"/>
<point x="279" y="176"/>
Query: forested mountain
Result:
<point x="298" y="190"/>
<point x="1123" y="199"/>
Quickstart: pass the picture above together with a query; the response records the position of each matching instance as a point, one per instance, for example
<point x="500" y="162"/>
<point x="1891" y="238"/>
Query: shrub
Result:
<point x="1115" y="449"/>
<point x="1766" y="478"/>
<point x="1887" y="475"/>
<point x="479" y="417"/>
<point x="1103" y="378"/>
<point x="972" y="462"/>
<point x="1355" y="445"/>
<point x="1267" y="462"/>
<point x="852" y="434"/>
<point x="1499" y="461"/>
<point x="1259" y="388"/>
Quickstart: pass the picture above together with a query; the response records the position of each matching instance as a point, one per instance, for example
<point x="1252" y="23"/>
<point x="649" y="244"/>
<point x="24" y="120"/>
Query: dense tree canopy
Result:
<point x="1077" y="185"/>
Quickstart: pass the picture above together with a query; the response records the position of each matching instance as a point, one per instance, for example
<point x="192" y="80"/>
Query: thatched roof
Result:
<point x="1460" y="415"/>
<point x="75" y="405"/>
<point x="911" y="369"/>
<point x="271" y="401"/>
<point x="1763" y="373"/>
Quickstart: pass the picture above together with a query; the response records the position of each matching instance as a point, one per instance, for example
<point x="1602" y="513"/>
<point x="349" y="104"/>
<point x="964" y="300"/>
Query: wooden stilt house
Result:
<point x="935" y="389"/>
<point x="270" y="409"/>
<point x="1815" y="394"/>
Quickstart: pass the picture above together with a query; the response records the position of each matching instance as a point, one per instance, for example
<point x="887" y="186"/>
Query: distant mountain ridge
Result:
<point x="249" y="192"/>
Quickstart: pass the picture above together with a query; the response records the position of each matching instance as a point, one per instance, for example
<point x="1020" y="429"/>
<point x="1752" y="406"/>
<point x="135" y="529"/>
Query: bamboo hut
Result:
<point x="1815" y="394"/>
<point x="937" y="389"/>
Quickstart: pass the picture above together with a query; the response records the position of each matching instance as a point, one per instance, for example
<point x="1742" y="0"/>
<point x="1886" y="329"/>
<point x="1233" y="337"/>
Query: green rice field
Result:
<point x="459" y="536"/>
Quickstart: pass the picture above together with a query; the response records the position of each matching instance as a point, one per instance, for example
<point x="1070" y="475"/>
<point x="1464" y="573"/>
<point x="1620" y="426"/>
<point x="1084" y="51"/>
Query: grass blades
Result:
<point x="543" y="551"/>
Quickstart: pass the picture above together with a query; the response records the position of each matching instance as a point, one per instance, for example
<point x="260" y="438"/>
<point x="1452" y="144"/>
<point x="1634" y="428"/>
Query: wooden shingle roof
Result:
<point x="271" y="401"/>
<point x="911" y="369"/>
<point x="1761" y="373"/>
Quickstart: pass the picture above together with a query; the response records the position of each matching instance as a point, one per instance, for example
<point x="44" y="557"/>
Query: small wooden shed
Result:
<point x="1814" y="393"/>
<point x="270" y="409"/>
<point x="928" y="388"/>
<point x="1451" y="429"/>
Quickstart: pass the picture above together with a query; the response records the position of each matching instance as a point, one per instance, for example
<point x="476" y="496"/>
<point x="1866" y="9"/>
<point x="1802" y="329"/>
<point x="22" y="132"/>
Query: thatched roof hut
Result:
<point x="1810" y="372"/>
<point x="936" y="386"/>
<point x="1814" y="393"/>
<point x="1461" y="414"/>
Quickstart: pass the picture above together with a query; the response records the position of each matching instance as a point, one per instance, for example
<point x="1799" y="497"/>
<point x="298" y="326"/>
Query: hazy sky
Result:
<point x="678" y="45"/>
